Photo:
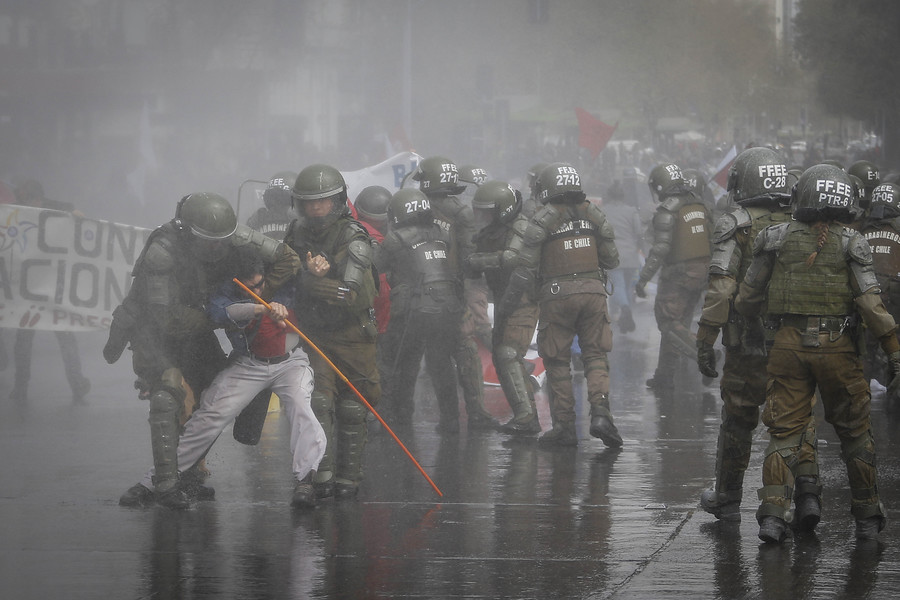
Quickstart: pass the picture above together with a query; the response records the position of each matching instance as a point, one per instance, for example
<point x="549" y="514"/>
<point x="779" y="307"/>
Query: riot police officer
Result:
<point x="275" y="217"/>
<point x="426" y="306"/>
<point x="566" y="249"/>
<point x="815" y="277"/>
<point x="869" y="176"/>
<point x="438" y="179"/>
<point x="758" y="185"/>
<point x="680" y="252"/>
<point x="335" y="300"/>
<point x="882" y="230"/>
<point x="163" y="317"/>
<point x="513" y="325"/>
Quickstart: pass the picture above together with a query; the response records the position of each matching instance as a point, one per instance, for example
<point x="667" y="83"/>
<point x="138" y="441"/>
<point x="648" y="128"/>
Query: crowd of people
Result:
<point x="327" y="299"/>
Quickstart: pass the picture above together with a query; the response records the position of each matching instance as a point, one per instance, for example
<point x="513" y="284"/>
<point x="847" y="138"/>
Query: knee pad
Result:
<point x="862" y="449"/>
<point x="505" y="355"/>
<point x="320" y="403"/>
<point x="350" y="410"/>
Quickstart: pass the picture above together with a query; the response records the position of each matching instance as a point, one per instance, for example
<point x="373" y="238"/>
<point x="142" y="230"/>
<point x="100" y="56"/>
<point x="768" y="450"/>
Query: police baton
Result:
<point x="350" y="385"/>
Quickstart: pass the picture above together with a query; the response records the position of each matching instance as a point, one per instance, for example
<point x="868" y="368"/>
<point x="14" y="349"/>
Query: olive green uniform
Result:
<point x="342" y="325"/>
<point x="743" y="383"/>
<point x="813" y="298"/>
<point x="568" y="247"/>
<point x="680" y="252"/>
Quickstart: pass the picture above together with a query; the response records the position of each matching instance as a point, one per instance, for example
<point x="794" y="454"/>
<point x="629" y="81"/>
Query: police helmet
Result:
<point x="498" y="197"/>
<point x="210" y="221"/>
<point x="438" y="176"/>
<point x="885" y="201"/>
<point x="868" y="174"/>
<point x="757" y="176"/>
<point x="823" y="193"/>
<point x="559" y="182"/>
<point x="666" y="180"/>
<point x="409" y="207"/>
<point x="316" y="182"/>
<point x="277" y="196"/>
<point x="372" y="205"/>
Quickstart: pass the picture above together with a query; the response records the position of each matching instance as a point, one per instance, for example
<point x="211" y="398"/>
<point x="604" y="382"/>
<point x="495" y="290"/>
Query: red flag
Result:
<point x="721" y="176"/>
<point x="593" y="133"/>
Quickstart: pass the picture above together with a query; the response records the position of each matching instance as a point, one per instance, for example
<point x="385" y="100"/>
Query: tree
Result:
<point x="851" y="48"/>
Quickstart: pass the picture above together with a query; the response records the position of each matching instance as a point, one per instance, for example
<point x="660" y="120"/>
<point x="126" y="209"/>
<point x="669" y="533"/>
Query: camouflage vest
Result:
<point x="760" y="218"/>
<point x="823" y="288"/>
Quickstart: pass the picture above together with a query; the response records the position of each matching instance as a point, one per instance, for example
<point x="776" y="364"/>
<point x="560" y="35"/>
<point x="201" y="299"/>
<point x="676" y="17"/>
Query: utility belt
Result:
<point x="811" y="326"/>
<point x="563" y="285"/>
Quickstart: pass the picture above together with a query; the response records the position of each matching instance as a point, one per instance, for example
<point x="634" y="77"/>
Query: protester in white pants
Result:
<point x="265" y="356"/>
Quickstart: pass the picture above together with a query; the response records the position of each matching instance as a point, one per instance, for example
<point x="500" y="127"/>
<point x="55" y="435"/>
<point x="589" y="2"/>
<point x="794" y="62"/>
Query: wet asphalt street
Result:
<point x="515" y="520"/>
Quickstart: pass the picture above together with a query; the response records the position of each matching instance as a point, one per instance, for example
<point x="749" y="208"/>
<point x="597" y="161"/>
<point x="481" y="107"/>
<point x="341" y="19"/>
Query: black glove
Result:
<point x="893" y="388"/>
<point x="639" y="290"/>
<point x="706" y="359"/>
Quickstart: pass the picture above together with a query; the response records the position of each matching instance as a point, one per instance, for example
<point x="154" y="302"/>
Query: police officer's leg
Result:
<point x="555" y="334"/>
<point x="847" y="402"/>
<point x="404" y="346"/>
<point x="508" y="355"/>
<point x="789" y="401"/>
<point x="166" y="401"/>
<point x="743" y="391"/>
<point x="358" y="365"/>
<point x="595" y="337"/>
<point x="440" y="343"/>
<point x="470" y="371"/>
<point x="322" y="401"/>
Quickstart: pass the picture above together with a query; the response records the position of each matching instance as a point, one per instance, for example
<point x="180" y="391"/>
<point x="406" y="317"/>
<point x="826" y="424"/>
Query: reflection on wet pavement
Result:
<point x="515" y="521"/>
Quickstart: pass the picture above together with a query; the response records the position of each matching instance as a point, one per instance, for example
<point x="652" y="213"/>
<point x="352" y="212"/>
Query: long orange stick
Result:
<point x="350" y="385"/>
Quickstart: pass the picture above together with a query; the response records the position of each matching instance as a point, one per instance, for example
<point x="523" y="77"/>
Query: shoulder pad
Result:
<point x="726" y="226"/>
<point x="548" y="218"/>
<point x="663" y="220"/>
<point x="245" y="236"/>
<point x="856" y="246"/>
<point x="670" y="204"/>
<point x="160" y="254"/>
<point x="771" y="238"/>
<point x="594" y="214"/>
<point x="360" y="251"/>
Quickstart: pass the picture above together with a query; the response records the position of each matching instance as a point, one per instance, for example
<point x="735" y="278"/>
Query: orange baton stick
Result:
<point x="350" y="385"/>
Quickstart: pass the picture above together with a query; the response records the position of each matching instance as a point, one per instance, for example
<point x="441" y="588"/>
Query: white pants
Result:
<point x="233" y="389"/>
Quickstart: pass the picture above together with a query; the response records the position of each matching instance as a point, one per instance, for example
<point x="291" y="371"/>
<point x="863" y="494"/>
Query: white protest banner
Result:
<point x="388" y="174"/>
<point x="60" y="272"/>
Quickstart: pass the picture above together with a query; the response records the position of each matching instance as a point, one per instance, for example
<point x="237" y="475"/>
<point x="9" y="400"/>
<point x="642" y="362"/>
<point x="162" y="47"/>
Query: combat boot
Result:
<point x="772" y="530"/>
<point x="868" y="528"/>
<point x="807" y="507"/>
<point x="562" y="434"/>
<point x="191" y="483"/>
<point x="304" y="495"/>
<point x="725" y="506"/>
<point x="481" y="420"/>
<point x="173" y="498"/>
<point x="602" y="427"/>
<point x="137" y="496"/>
<point x="325" y="487"/>
<point x="345" y="489"/>
<point x="530" y="426"/>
